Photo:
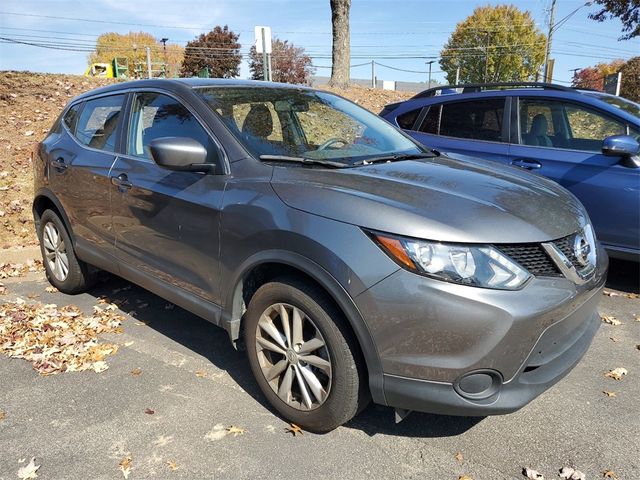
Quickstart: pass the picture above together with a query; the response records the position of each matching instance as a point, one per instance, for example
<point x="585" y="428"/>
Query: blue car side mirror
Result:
<point x="622" y="146"/>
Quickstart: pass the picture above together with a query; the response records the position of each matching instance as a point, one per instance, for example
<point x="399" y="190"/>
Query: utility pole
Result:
<point x="429" y="63"/>
<point x="486" y="59"/>
<point x="149" y="61"/>
<point x="373" y="74"/>
<point x="552" y="16"/>
<point x="457" y="76"/>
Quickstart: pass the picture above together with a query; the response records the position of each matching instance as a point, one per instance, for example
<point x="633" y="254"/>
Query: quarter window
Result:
<point x="98" y="122"/>
<point x="71" y="117"/>
<point x="407" y="120"/>
<point x="157" y="116"/>
<point x="476" y="119"/>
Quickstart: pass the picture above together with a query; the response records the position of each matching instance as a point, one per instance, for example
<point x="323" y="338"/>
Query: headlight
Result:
<point x="477" y="265"/>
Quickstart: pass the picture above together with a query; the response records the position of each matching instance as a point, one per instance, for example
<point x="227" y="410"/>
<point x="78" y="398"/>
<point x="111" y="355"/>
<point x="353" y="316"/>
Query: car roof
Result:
<point x="181" y="84"/>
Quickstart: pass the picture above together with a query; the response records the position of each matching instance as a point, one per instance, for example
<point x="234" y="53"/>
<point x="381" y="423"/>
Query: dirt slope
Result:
<point x="30" y="103"/>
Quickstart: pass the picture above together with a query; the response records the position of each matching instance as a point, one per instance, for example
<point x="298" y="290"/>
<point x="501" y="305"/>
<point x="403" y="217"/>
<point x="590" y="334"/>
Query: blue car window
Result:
<point x="478" y="119"/>
<point x="559" y="124"/>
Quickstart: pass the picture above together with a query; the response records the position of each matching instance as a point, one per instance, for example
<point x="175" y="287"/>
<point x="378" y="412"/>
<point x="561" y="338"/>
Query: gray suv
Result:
<point x="350" y="262"/>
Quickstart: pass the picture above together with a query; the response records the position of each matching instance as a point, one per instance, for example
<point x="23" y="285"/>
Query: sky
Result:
<point x="383" y="30"/>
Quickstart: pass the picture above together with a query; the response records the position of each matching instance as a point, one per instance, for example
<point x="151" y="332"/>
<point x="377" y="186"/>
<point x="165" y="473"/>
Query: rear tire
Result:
<point x="318" y="381"/>
<point x="64" y="270"/>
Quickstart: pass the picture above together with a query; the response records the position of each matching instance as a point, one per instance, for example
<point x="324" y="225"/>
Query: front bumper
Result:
<point x="459" y="350"/>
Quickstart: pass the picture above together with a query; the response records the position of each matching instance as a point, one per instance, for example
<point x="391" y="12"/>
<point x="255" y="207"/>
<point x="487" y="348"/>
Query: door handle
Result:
<point x="59" y="164"/>
<point x="122" y="182"/>
<point x="526" y="163"/>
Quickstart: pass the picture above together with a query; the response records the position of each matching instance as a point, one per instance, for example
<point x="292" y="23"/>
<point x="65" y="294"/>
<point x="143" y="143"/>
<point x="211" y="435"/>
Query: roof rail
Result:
<point x="478" y="87"/>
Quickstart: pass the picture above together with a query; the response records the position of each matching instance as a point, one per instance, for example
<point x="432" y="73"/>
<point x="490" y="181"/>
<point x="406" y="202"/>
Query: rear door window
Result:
<point x="480" y="119"/>
<point x="97" y="125"/>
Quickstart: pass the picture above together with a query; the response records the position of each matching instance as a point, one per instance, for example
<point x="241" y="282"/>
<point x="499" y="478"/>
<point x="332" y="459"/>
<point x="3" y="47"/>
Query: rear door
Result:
<point x="167" y="222"/>
<point x="476" y="127"/>
<point x="79" y="166"/>
<point x="569" y="152"/>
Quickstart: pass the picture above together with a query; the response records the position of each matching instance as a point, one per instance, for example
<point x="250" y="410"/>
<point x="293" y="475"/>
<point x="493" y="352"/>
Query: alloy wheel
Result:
<point x="293" y="356"/>
<point x="55" y="252"/>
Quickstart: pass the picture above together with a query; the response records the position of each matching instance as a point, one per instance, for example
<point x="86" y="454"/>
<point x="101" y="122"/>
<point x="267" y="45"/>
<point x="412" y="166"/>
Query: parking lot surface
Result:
<point x="171" y="417"/>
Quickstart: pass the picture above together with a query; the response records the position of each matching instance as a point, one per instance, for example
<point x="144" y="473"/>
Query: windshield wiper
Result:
<point x="393" y="158"/>
<point x="303" y="160"/>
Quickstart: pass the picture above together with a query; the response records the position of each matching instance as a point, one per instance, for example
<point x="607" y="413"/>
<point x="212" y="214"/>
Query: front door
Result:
<point x="563" y="141"/>
<point x="167" y="222"/>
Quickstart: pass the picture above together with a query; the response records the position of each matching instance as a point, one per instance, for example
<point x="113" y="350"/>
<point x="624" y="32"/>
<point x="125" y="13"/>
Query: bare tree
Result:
<point x="340" y="52"/>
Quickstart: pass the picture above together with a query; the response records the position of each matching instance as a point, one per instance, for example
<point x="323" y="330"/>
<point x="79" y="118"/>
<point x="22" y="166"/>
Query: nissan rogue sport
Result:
<point x="351" y="262"/>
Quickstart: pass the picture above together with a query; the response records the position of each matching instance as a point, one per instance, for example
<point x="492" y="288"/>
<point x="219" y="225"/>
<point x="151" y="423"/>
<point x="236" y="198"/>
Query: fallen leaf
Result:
<point x="2" y="415"/>
<point x="609" y="293"/>
<point x="201" y="373"/>
<point x="611" y="320"/>
<point x="235" y="431"/>
<point x="29" y="471"/>
<point x="636" y="317"/>
<point x="172" y="465"/>
<point x="609" y="394"/>
<point x="464" y="477"/>
<point x="458" y="456"/>
<point x="148" y="411"/>
<point x="614" y="339"/>
<point x="568" y="473"/>
<point x="617" y="373"/>
<point x="128" y="344"/>
<point x="632" y="295"/>
<point x="294" y="429"/>
<point x="609" y="474"/>
<point x="56" y="339"/>
<point x="51" y="289"/>
<point x="125" y="466"/>
<point x="136" y="372"/>
<point x="532" y="474"/>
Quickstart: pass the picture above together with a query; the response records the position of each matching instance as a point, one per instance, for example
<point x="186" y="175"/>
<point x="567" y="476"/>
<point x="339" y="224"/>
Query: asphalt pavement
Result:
<point x="81" y="425"/>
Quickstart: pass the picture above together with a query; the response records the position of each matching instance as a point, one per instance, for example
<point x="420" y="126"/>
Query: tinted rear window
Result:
<point x="97" y="125"/>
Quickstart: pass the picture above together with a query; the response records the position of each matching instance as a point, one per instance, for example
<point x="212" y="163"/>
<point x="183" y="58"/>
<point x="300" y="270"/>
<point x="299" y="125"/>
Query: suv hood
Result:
<point x="438" y="199"/>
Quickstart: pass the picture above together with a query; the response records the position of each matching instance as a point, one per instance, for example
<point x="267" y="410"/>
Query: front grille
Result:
<point x="532" y="257"/>
<point x="565" y="245"/>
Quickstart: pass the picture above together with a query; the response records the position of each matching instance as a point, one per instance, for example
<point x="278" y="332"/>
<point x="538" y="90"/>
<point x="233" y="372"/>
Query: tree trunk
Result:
<point x="341" y="55"/>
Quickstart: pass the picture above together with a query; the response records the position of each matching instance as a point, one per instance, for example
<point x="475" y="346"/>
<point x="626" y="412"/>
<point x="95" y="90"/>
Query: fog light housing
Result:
<point x="479" y="384"/>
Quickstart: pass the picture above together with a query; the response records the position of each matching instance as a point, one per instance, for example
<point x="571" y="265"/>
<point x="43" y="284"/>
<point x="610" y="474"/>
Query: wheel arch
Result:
<point x="270" y="264"/>
<point x="45" y="199"/>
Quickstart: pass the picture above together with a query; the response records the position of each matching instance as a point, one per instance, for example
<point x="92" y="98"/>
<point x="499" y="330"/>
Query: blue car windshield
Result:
<point x="619" y="102"/>
<point x="304" y="123"/>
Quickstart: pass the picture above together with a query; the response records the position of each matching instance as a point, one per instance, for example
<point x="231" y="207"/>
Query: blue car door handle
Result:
<point x="526" y="163"/>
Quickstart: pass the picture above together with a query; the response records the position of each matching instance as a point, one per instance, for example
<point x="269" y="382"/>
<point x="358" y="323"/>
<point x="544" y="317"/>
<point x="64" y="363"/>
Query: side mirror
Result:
<point x="180" y="153"/>
<point x="622" y="146"/>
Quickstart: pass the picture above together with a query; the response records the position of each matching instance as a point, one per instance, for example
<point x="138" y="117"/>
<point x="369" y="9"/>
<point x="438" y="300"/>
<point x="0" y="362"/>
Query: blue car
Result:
<point x="585" y="140"/>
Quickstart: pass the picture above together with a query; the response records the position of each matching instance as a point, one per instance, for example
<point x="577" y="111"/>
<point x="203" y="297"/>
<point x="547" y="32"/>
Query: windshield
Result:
<point x="305" y="123"/>
<point x="620" y="102"/>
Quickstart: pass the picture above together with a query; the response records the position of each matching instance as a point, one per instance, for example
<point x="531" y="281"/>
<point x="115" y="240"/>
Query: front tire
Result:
<point x="64" y="270"/>
<point x="302" y="355"/>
